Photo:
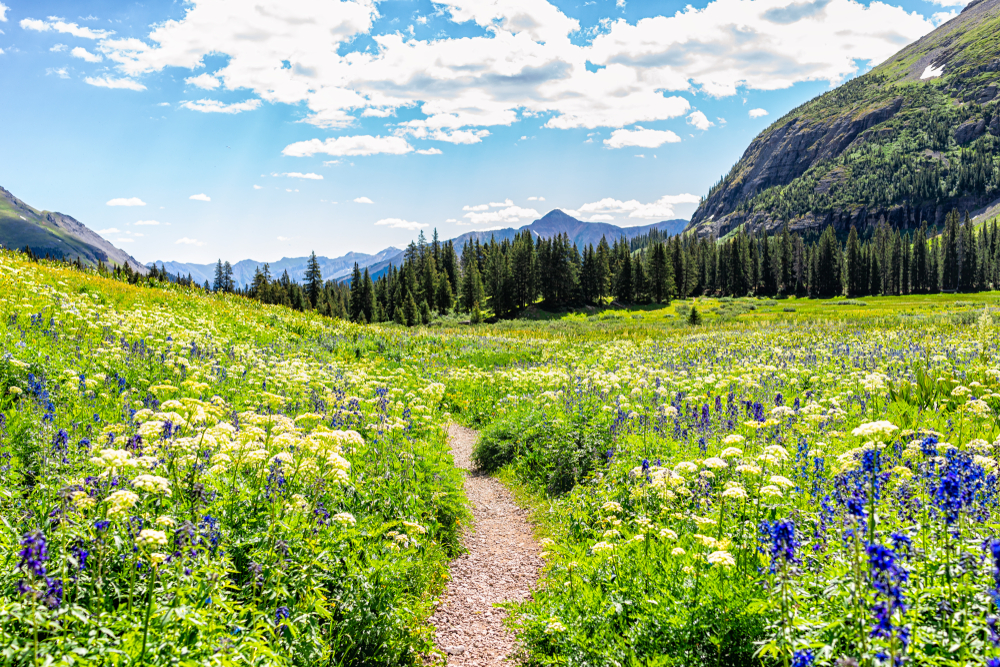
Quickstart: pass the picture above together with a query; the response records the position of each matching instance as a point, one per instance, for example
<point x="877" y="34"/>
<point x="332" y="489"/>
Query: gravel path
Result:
<point x="501" y="565"/>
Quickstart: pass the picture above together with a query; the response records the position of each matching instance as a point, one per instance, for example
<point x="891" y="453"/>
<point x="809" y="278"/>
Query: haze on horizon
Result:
<point x="267" y="128"/>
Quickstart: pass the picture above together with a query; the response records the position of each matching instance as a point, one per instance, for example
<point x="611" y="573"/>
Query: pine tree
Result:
<point x="357" y="306"/>
<point x="444" y="295"/>
<point x="410" y="313"/>
<point x="314" y="279"/>
<point x="219" y="283"/>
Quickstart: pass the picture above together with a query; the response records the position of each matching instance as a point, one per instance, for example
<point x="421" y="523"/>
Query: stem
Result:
<point x="149" y="611"/>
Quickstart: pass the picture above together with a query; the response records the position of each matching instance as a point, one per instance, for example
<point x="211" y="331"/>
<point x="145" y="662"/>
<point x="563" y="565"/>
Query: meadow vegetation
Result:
<point x="191" y="478"/>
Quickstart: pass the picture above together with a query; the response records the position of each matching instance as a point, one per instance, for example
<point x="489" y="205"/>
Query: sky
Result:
<point x="192" y="130"/>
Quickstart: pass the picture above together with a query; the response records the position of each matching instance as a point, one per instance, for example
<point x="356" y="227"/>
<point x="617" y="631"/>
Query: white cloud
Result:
<point x="699" y="120"/>
<point x="3" y="12"/>
<point x="397" y="223"/>
<point x="536" y="198"/>
<point x="130" y="201"/>
<point x="200" y="197"/>
<point x="477" y="207"/>
<point x="509" y="215"/>
<point x="108" y="82"/>
<point x="61" y="72"/>
<point x="310" y="176"/>
<point x="951" y="3"/>
<point x="258" y="187"/>
<point x="363" y="200"/>
<point x="204" y="81"/>
<point x="110" y="230"/>
<point x="609" y="209"/>
<point x="215" y="106"/>
<point x="430" y="151"/>
<point x="641" y="137"/>
<point x="499" y="204"/>
<point x="284" y="238"/>
<point x="84" y="54"/>
<point x="58" y="48"/>
<point x="187" y="241"/>
<point x="146" y="223"/>
<point x="61" y="26"/>
<point x="529" y="60"/>
<point x="758" y="113"/>
<point x="601" y="217"/>
<point x="357" y="145"/>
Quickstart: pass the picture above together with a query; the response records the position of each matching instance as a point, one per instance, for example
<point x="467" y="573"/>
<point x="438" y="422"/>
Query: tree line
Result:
<point x="501" y="279"/>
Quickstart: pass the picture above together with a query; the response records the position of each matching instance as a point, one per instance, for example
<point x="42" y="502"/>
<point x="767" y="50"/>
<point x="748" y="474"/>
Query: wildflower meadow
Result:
<point x="191" y="479"/>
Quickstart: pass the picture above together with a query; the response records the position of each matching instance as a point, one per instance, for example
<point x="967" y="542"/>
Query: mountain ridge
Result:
<point x="552" y="223"/>
<point x="906" y="142"/>
<point x="56" y="235"/>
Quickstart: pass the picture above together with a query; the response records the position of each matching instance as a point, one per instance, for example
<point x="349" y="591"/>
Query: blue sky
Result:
<point x="193" y="130"/>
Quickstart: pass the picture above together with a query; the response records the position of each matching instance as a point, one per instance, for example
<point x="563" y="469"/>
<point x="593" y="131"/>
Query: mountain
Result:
<point x="553" y="223"/>
<point x="243" y="271"/>
<point x="56" y="235"/>
<point x="909" y="141"/>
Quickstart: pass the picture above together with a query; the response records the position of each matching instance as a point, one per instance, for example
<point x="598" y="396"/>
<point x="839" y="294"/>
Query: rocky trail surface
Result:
<point x="501" y="565"/>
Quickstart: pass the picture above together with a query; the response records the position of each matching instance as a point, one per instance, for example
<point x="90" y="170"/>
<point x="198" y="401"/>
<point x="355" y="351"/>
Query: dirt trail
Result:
<point x="501" y="565"/>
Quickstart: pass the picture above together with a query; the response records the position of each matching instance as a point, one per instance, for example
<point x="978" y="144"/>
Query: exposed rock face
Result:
<point x="811" y="145"/>
<point x="970" y="131"/>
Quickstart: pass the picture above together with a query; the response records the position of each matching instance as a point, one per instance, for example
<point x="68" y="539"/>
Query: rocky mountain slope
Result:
<point x="908" y="141"/>
<point x="56" y="235"/>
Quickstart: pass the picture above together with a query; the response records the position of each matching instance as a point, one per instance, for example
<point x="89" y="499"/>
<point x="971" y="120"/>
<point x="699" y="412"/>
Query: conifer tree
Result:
<point x="314" y="279"/>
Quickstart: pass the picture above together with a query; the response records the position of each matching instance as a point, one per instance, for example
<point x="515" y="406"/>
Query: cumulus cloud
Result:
<point x="203" y="81"/>
<point x="641" y="137"/>
<point x="187" y="241"/>
<point x="699" y="120"/>
<point x="610" y="209"/>
<point x="200" y="197"/>
<point x="58" y="48"/>
<point x="146" y="223"/>
<point x="430" y="151"/>
<point x="758" y="113"/>
<point x="130" y="201"/>
<point x="529" y="61"/>
<point x="258" y="187"/>
<point x="477" y="215"/>
<point x="357" y="145"/>
<point x="58" y="25"/>
<point x="398" y="223"/>
<point x="84" y="54"/>
<point x="536" y="198"/>
<point x="215" y="106"/>
<point x="61" y="72"/>
<point x="3" y="12"/>
<point x="309" y="176"/>
<point x="363" y="200"/>
<point x="109" y="82"/>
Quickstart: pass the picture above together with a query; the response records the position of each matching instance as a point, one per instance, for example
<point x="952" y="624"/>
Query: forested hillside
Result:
<point x="911" y="140"/>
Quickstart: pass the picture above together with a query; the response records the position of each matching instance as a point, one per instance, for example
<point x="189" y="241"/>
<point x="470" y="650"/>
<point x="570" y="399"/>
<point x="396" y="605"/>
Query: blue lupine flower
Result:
<point x="34" y="554"/>
<point x="802" y="658"/>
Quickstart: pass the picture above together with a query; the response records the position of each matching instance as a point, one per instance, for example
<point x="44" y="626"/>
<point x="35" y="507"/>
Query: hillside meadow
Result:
<point x="191" y="479"/>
